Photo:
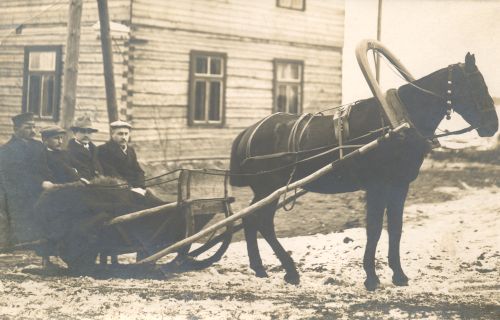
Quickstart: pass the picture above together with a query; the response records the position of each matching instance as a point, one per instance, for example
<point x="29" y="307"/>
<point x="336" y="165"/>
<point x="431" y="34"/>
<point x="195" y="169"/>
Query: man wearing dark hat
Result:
<point x="83" y="153"/>
<point x="24" y="175"/>
<point x="58" y="160"/>
<point x="119" y="159"/>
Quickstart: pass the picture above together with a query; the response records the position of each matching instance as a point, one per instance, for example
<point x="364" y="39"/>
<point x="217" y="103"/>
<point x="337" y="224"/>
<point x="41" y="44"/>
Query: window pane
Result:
<point x="293" y="99"/>
<point x="199" y="100"/>
<point x="298" y="4"/>
<point x="289" y="71"/>
<point x="281" y="71"/>
<point x="294" y="71"/>
<point x="285" y="3"/>
<point x="48" y="96"/>
<point x="281" y="99"/>
<point x="42" y="61"/>
<point x="35" y="89"/>
<point x="215" y="66"/>
<point x="201" y="65"/>
<point x="215" y="94"/>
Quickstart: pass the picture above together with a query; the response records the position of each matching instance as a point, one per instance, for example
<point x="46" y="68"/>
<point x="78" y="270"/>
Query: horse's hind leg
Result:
<point x="250" y="228"/>
<point x="395" y="206"/>
<point x="375" y="207"/>
<point x="267" y="230"/>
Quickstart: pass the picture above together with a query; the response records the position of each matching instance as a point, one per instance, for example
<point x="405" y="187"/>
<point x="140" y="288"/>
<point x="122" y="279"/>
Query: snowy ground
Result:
<point x="450" y="249"/>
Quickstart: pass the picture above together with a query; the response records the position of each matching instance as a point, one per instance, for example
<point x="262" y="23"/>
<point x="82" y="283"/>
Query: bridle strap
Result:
<point x="464" y="130"/>
<point x="449" y="104"/>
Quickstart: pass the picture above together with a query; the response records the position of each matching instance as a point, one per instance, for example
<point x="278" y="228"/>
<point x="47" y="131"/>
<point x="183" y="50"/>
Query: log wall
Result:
<point x="252" y="34"/>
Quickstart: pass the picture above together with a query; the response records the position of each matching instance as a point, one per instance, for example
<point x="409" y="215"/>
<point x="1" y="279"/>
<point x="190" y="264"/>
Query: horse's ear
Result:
<point x="470" y="62"/>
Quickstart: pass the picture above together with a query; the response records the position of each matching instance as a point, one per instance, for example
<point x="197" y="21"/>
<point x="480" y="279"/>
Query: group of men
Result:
<point x="28" y="166"/>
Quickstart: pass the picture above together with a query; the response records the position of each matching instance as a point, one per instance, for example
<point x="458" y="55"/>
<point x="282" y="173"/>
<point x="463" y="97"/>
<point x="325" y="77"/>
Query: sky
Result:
<point x="425" y="35"/>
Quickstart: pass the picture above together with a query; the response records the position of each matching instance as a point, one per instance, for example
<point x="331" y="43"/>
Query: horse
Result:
<point x="283" y="148"/>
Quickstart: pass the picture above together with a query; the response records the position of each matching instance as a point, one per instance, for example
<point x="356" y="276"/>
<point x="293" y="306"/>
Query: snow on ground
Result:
<point x="450" y="251"/>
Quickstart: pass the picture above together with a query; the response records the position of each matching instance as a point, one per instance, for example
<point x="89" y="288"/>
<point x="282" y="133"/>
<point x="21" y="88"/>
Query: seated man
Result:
<point x="24" y="176"/>
<point x="58" y="160"/>
<point x="119" y="159"/>
<point x="83" y="153"/>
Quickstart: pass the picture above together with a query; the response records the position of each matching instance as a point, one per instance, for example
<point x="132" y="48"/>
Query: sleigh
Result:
<point x="202" y="197"/>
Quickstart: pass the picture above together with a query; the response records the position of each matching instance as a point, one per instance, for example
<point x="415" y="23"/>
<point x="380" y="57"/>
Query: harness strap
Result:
<point x="293" y="140"/>
<point x="249" y="143"/>
<point x="304" y="130"/>
<point x="341" y="126"/>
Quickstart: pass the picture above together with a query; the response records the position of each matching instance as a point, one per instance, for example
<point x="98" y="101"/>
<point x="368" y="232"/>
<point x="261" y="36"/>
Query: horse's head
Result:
<point x="470" y="97"/>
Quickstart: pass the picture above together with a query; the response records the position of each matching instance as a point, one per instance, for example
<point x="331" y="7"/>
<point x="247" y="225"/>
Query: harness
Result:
<point x="341" y="132"/>
<point x="341" y="127"/>
<point x="249" y="143"/>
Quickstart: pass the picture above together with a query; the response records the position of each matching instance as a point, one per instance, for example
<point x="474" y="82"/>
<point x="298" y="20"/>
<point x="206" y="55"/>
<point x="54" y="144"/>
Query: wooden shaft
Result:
<point x="107" y="60"/>
<point x="394" y="116"/>
<point x="379" y="34"/>
<point x="140" y="214"/>
<point x="267" y="200"/>
<point x="71" y="63"/>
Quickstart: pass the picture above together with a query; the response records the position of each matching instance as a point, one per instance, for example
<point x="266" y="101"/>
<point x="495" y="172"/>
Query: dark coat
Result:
<point x="122" y="165"/>
<point x="61" y="169"/>
<point x="86" y="162"/>
<point x="23" y="169"/>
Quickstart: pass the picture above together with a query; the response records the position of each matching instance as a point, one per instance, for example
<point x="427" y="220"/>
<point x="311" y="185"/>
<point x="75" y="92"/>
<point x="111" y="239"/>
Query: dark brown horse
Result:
<point x="284" y="147"/>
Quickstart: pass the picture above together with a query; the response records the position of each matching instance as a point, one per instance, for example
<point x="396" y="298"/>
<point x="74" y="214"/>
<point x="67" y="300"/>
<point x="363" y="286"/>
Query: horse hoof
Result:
<point x="400" y="281"/>
<point x="292" y="279"/>
<point x="372" y="284"/>
<point x="261" y="273"/>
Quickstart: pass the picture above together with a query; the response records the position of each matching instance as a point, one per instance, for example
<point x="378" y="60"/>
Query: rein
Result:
<point x="456" y="132"/>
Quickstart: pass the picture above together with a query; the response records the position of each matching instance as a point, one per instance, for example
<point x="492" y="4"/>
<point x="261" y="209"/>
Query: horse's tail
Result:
<point x="237" y="157"/>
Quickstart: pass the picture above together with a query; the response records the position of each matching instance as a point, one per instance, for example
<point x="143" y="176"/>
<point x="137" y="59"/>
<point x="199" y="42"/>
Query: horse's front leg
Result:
<point x="375" y="207"/>
<point x="395" y="207"/>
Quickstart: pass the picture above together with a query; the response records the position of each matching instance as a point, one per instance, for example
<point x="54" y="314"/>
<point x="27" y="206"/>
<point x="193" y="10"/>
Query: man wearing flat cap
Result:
<point x="24" y="175"/>
<point x="82" y="151"/>
<point x="58" y="160"/>
<point x="119" y="159"/>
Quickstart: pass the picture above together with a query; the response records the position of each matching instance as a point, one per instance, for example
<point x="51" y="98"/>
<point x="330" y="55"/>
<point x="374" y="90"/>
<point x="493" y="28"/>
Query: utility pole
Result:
<point x="379" y="31"/>
<point x="107" y="59"/>
<point x="71" y="63"/>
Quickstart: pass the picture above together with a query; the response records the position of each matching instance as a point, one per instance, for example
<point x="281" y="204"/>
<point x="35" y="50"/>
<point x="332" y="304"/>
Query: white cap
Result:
<point x="120" y="124"/>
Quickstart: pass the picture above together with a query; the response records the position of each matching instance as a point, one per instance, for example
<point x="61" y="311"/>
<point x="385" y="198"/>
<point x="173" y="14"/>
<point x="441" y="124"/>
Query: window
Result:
<point x="292" y="4"/>
<point x="42" y="81"/>
<point x="288" y="80"/>
<point x="207" y="88"/>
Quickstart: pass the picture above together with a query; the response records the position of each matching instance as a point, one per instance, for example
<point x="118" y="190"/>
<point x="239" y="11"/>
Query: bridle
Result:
<point x="449" y="98"/>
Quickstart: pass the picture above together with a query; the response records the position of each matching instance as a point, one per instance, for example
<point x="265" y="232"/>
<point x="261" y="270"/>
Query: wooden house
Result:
<point x="190" y="75"/>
